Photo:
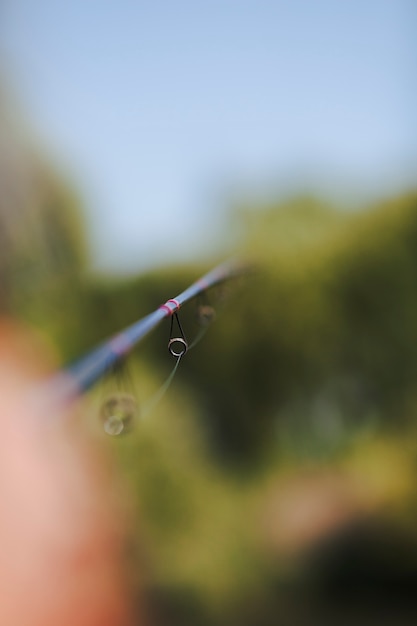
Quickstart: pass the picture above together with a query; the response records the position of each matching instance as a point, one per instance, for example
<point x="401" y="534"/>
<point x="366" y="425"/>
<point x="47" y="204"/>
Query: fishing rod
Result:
<point x="79" y="377"/>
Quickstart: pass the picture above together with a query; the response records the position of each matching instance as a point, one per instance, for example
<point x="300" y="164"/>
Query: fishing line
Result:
<point x="205" y="316"/>
<point x="157" y="397"/>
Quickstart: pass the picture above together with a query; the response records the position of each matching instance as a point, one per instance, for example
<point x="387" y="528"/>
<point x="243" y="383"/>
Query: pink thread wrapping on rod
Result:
<point x="168" y="307"/>
<point x="120" y="345"/>
<point x="202" y="283"/>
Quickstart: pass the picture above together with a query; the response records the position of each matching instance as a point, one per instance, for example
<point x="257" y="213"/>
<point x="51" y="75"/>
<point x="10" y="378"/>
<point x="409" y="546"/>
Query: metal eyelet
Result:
<point x="177" y="346"/>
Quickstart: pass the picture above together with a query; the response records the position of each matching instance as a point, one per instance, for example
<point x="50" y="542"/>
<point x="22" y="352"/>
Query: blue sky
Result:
<point x="162" y="110"/>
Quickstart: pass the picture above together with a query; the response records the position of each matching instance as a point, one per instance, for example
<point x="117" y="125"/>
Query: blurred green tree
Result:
<point x="43" y="246"/>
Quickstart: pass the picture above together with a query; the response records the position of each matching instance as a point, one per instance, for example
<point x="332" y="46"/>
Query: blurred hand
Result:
<point x="61" y="533"/>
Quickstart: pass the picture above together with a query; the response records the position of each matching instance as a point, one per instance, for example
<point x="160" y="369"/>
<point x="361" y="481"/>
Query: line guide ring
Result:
<point x="177" y="346"/>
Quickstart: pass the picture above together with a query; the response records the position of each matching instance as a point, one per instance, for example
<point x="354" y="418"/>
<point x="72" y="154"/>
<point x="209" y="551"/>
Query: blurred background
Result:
<point x="140" y="143"/>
